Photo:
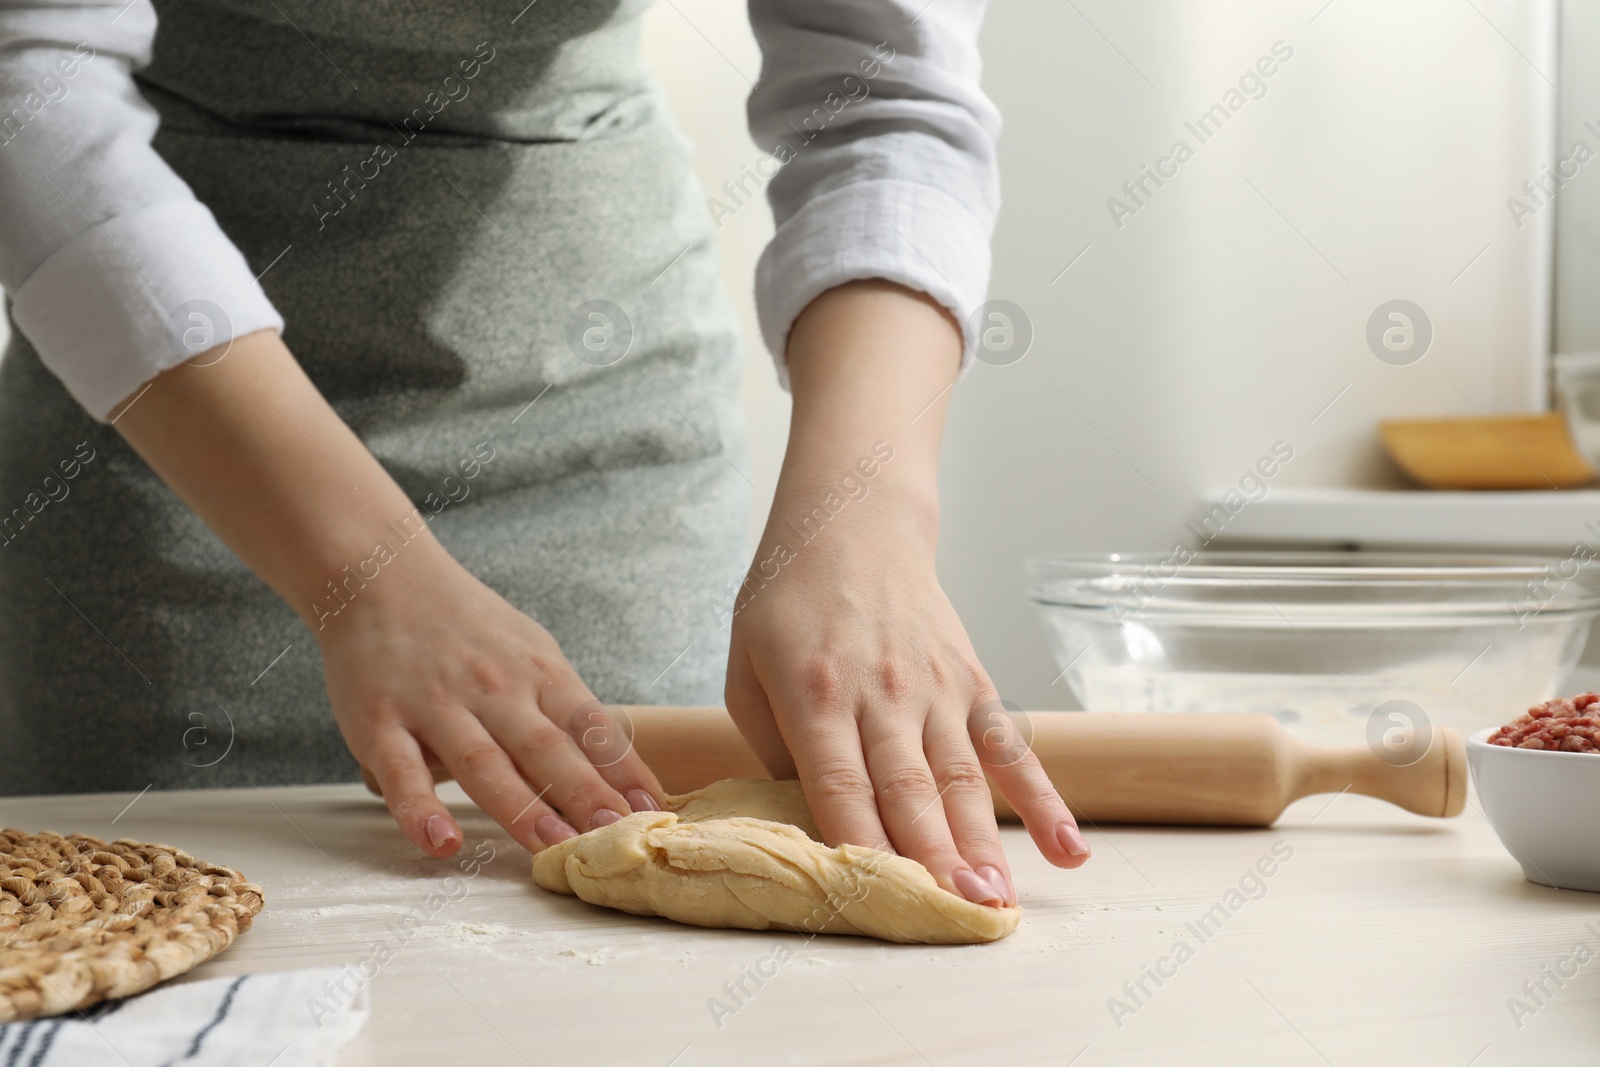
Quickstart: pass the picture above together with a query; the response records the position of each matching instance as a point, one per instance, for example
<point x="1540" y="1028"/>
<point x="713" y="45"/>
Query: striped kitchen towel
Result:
<point x="280" y="1019"/>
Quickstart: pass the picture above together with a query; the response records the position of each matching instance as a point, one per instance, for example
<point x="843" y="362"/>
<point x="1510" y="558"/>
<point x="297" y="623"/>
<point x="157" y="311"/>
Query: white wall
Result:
<point x="1577" y="312"/>
<point x="1229" y="310"/>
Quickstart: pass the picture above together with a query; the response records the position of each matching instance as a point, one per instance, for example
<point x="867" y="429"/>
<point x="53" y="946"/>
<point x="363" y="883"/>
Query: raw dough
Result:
<point x="744" y="853"/>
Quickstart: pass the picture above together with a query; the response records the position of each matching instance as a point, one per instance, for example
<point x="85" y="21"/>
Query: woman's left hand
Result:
<point x="850" y="669"/>
<point x="848" y="666"/>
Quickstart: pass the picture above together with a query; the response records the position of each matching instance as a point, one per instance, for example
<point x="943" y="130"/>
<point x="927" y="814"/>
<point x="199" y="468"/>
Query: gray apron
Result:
<point x="523" y="271"/>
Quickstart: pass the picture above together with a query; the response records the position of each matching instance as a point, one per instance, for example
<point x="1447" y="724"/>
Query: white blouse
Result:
<point x="882" y="166"/>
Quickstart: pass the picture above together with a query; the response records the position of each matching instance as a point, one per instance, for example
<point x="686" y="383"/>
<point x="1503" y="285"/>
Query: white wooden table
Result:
<point x="1385" y="938"/>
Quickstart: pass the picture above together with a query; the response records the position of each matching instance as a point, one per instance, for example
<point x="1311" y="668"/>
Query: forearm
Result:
<point x="255" y="451"/>
<point x="869" y="362"/>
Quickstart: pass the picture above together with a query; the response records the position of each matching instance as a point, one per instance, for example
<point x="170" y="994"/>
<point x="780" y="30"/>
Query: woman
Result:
<point x="403" y="328"/>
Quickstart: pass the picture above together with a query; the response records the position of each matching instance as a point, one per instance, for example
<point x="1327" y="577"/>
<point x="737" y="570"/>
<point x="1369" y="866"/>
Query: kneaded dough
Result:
<point x="745" y="853"/>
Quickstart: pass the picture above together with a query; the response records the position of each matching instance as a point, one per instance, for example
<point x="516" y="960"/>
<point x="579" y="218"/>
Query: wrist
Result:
<point x="878" y="501"/>
<point x="373" y="574"/>
<point x="870" y="366"/>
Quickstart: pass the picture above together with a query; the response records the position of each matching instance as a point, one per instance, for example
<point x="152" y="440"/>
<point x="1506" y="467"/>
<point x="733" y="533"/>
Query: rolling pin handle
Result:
<point x="1435" y="785"/>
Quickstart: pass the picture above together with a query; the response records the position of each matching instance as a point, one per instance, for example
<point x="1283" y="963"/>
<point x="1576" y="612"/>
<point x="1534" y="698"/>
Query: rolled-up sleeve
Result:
<point x="109" y="258"/>
<point x="882" y="152"/>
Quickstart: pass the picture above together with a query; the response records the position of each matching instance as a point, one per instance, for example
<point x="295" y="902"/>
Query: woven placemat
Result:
<point x="82" y="921"/>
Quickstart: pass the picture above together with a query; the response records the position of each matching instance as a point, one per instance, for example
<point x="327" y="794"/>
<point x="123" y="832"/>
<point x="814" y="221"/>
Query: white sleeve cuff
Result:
<point x="902" y="231"/>
<point x="107" y="312"/>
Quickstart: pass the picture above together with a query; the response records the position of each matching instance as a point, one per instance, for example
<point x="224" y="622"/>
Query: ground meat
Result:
<point x="1566" y="724"/>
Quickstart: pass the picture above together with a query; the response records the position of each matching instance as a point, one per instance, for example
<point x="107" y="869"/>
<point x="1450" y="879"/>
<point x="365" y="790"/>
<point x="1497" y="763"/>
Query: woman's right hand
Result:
<point x="427" y="666"/>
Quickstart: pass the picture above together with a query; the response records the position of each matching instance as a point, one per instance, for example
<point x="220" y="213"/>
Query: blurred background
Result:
<point x="1181" y="333"/>
<point x="1176" y="344"/>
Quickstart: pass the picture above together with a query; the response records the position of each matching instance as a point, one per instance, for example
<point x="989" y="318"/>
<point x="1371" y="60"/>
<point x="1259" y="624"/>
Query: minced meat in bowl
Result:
<point x="1531" y="776"/>
<point x="1565" y="724"/>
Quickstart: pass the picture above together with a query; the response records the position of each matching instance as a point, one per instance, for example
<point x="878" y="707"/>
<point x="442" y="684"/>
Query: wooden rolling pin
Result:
<point x="1196" y="770"/>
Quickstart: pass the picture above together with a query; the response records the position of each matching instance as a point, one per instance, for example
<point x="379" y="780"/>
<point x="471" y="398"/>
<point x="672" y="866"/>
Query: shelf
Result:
<point x="1545" y="521"/>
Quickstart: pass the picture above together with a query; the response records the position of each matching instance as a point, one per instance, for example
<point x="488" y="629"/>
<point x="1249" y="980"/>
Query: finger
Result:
<point x="603" y="739"/>
<point x="748" y="706"/>
<point x="401" y="776"/>
<point x="1016" y="772"/>
<point x="600" y="738"/>
<point x="546" y="755"/>
<point x="435" y="764"/>
<point x="910" y="805"/>
<point x="968" y="806"/>
<point x="429" y="760"/>
<point x="833" y="772"/>
<point x="490" y="778"/>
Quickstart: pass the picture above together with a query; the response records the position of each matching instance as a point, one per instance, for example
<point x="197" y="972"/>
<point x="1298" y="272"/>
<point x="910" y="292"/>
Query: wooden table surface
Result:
<point x="1379" y="938"/>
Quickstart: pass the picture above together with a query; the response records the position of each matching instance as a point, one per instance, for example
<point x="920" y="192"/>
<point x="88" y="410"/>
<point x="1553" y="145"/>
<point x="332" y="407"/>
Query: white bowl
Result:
<point x="1541" y="804"/>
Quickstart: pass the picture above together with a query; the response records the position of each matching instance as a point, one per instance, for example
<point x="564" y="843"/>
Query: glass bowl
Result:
<point x="1577" y="376"/>
<point x="1321" y="640"/>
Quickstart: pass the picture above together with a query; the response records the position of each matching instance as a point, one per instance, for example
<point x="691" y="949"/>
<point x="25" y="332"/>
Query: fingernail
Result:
<point x="976" y="889"/>
<point x="439" y="830"/>
<point x="639" y="800"/>
<point x="1071" y="839"/>
<point x="552" y="830"/>
<point x="996" y="877"/>
<point x="604" y="817"/>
